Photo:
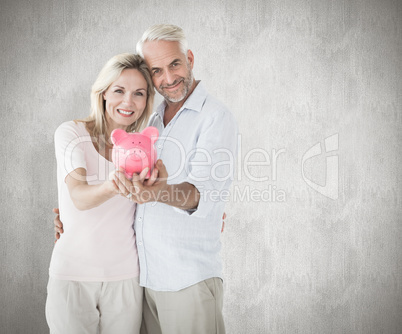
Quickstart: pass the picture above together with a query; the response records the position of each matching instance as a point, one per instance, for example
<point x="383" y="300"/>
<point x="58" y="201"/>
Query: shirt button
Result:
<point x="159" y="146"/>
<point x="139" y="243"/>
<point x="139" y="218"/>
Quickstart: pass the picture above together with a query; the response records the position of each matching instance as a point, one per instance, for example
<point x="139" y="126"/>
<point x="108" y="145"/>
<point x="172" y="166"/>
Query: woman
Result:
<point x="94" y="267"/>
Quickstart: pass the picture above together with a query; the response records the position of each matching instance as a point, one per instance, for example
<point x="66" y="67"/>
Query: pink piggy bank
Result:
<point x="134" y="151"/>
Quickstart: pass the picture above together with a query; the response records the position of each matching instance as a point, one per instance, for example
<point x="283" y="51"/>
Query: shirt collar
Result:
<point x="194" y="102"/>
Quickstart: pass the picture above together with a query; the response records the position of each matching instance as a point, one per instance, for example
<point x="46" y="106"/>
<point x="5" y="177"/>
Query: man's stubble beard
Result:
<point x="187" y="83"/>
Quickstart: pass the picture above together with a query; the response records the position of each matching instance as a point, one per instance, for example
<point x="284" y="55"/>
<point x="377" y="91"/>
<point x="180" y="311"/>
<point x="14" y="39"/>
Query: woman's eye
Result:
<point x="118" y="91"/>
<point x="139" y="94"/>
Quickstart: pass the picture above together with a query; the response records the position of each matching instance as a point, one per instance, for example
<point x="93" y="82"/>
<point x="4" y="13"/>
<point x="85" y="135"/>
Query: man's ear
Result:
<point x="190" y="57"/>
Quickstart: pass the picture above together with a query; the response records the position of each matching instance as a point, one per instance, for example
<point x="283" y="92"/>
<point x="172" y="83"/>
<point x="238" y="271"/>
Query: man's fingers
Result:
<point x="56" y="236"/>
<point x="57" y="222"/>
<point x="163" y="174"/>
<point x="223" y="221"/>
<point x="58" y="226"/>
<point x="58" y="229"/>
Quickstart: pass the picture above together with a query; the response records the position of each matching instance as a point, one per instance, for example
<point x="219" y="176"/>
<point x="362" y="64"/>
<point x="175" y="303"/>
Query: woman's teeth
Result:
<point x="125" y="112"/>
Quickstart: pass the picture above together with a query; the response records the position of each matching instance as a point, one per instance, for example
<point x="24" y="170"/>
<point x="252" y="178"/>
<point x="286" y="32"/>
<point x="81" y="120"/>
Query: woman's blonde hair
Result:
<point x="110" y="73"/>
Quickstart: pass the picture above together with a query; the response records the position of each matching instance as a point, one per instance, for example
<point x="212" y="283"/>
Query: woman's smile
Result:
<point x="125" y="112"/>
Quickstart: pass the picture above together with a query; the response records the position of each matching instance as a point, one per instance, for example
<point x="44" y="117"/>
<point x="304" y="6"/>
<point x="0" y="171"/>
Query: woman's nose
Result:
<point x="128" y="99"/>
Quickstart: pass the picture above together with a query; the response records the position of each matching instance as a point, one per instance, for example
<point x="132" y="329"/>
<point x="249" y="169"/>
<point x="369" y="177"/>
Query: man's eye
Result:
<point x="156" y="72"/>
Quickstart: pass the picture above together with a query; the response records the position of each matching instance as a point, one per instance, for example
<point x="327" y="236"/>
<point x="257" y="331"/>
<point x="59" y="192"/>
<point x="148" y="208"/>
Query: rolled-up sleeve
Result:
<point x="211" y="164"/>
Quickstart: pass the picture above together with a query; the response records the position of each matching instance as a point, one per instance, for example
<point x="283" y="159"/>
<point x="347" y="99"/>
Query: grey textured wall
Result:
<point x="313" y="239"/>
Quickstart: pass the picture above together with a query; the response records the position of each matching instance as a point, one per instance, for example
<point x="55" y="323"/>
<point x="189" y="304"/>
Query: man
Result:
<point x="178" y="223"/>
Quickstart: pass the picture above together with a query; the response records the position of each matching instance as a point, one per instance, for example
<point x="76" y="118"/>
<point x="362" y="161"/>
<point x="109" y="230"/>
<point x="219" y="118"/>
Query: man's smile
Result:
<point x="172" y="87"/>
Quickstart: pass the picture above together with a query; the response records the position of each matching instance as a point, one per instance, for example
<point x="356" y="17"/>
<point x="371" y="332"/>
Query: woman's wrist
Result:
<point x="107" y="190"/>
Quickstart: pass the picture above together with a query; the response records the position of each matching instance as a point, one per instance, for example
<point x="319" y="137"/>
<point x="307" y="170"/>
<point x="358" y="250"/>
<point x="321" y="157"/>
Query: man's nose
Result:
<point x="169" y="77"/>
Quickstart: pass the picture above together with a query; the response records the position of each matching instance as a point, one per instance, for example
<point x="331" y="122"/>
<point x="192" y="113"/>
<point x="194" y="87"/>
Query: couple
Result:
<point x="95" y="278"/>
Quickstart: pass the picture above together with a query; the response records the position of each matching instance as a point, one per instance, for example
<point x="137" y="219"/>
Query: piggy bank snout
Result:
<point x="136" y="153"/>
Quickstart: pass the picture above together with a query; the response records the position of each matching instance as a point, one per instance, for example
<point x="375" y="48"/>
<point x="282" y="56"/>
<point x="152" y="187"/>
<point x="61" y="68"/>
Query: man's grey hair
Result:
<point x="163" y="32"/>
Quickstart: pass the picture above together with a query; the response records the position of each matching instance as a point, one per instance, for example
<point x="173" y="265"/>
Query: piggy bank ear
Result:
<point x="117" y="135"/>
<point x="151" y="132"/>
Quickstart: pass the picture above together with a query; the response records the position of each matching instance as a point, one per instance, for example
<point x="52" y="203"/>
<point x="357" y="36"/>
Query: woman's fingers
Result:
<point x="153" y="178"/>
<point x="126" y="186"/>
<point x="123" y="184"/>
<point x="140" y="177"/>
<point x="138" y="180"/>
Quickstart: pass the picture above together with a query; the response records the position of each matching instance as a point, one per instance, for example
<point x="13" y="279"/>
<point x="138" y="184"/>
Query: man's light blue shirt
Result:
<point x="179" y="248"/>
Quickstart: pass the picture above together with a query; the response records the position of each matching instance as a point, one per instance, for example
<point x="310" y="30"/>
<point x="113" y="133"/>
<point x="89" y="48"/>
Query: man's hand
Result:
<point x="58" y="225"/>
<point x="184" y="196"/>
<point x="223" y="221"/>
